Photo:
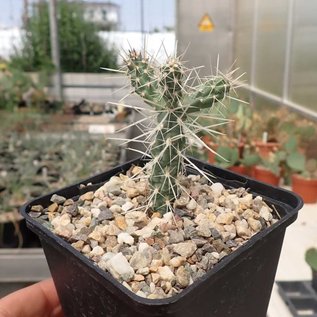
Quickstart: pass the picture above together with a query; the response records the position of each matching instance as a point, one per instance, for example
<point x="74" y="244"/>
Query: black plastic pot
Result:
<point x="239" y="286"/>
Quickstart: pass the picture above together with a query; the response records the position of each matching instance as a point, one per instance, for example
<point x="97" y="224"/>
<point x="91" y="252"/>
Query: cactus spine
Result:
<point x="164" y="88"/>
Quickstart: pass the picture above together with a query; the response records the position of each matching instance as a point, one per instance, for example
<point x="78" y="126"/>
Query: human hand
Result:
<point x="38" y="300"/>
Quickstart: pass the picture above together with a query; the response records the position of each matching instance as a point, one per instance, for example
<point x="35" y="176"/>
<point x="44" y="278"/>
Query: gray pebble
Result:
<point x="72" y="209"/>
<point x="200" y="242"/>
<point x="185" y="249"/>
<point x="58" y="199"/>
<point x="105" y="214"/>
<point x="207" y="248"/>
<point x="175" y="236"/>
<point x="190" y="232"/>
<point x="215" y="233"/>
<point x="182" y="277"/>
<point x="34" y="214"/>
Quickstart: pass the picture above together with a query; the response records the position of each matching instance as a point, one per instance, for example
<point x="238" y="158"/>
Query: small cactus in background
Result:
<point x="311" y="258"/>
<point x="176" y="108"/>
<point x="297" y="162"/>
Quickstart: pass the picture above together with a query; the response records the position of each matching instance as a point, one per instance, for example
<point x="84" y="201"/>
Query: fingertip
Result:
<point x="57" y="312"/>
<point x="49" y="290"/>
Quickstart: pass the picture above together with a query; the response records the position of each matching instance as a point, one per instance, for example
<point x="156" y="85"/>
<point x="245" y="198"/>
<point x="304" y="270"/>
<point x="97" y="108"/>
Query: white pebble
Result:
<point x="265" y="213"/>
<point x="168" y="216"/>
<point x="166" y="274"/>
<point x="97" y="251"/>
<point x="191" y="205"/>
<point x="95" y="212"/>
<point x="115" y="208"/>
<point x="142" y="246"/>
<point x="127" y="206"/>
<point x="217" y="188"/>
<point x="120" y="265"/>
<point x="124" y="237"/>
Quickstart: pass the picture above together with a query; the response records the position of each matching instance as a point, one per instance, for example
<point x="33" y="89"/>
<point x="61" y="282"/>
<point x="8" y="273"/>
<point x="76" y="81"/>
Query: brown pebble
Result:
<point x="156" y="215"/>
<point x="52" y="208"/>
<point x="120" y="222"/>
<point x="37" y="208"/>
<point x="138" y="277"/>
<point x="87" y="196"/>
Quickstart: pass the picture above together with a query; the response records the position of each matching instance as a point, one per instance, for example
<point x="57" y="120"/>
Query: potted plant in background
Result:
<point x="274" y="130"/>
<point x="238" y="127"/>
<point x="266" y="146"/>
<point x="300" y="171"/>
<point x="156" y="236"/>
<point x="235" y="132"/>
<point x="311" y="259"/>
<point x="269" y="133"/>
<point x="268" y="170"/>
<point x="304" y="178"/>
<point x="31" y="164"/>
<point x="229" y="157"/>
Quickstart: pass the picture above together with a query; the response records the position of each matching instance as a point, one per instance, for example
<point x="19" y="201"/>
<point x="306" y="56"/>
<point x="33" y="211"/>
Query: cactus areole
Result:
<point x="164" y="87"/>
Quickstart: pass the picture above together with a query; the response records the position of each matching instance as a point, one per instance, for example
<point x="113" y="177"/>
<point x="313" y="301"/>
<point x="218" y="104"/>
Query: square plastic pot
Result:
<point x="240" y="285"/>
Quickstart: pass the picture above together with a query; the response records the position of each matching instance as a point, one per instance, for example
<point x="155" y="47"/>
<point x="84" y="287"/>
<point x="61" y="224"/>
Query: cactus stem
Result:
<point x="177" y="96"/>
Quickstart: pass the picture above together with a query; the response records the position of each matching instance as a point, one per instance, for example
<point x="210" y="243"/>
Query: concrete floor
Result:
<point x="300" y="236"/>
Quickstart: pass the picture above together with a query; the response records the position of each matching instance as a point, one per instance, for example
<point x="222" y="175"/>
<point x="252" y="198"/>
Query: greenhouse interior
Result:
<point x="158" y="158"/>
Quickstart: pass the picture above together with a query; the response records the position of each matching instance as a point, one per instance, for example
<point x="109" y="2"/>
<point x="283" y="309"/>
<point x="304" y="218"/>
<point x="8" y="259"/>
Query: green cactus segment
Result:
<point x="163" y="88"/>
<point x="311" y="258"/>
<point x="143" y="78"/>
<point x="211" y="91"/>
<point x="167" y="163"/>
<point x="169" y="140"/>
<point x="171" y="82"/>
<point x="296" y="161"/>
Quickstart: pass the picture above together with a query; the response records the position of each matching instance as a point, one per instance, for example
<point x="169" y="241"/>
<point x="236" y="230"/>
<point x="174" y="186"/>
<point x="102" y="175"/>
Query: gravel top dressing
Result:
<point x="154" y="255"/>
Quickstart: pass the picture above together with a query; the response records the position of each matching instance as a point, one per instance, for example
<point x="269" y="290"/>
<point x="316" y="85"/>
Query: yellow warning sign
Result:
<point x="206" y="24"/>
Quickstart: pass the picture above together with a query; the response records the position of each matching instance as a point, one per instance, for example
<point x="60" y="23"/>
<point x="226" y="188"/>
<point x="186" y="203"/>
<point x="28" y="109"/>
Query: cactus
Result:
<point x="230" y="154"/>
<point x="311" y="258"/>
<point x="177" y="108"/>
<point x="311" y="167"/>
<point x="296" y="161"/>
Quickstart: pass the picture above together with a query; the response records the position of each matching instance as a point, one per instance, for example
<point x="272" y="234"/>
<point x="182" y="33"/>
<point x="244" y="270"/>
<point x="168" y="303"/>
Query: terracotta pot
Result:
<point x="239" y="169"/>
<point x="262" y="174"/>
<point x="251" y="171"/>
<point x="306" y="188"/>
<point x="266" y="148"/>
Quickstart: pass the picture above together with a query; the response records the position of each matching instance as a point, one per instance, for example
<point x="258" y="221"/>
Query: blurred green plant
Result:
<point x="305" y="167"/>
<point x="273" y="162"/>
<point x="311" y="258"/>
<point x="34" y="164"/>
<point x="81" y="48"/>
<point x="229" y="156"/>
<point x="296" y="161"/>
<point x="17" y="88"/>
